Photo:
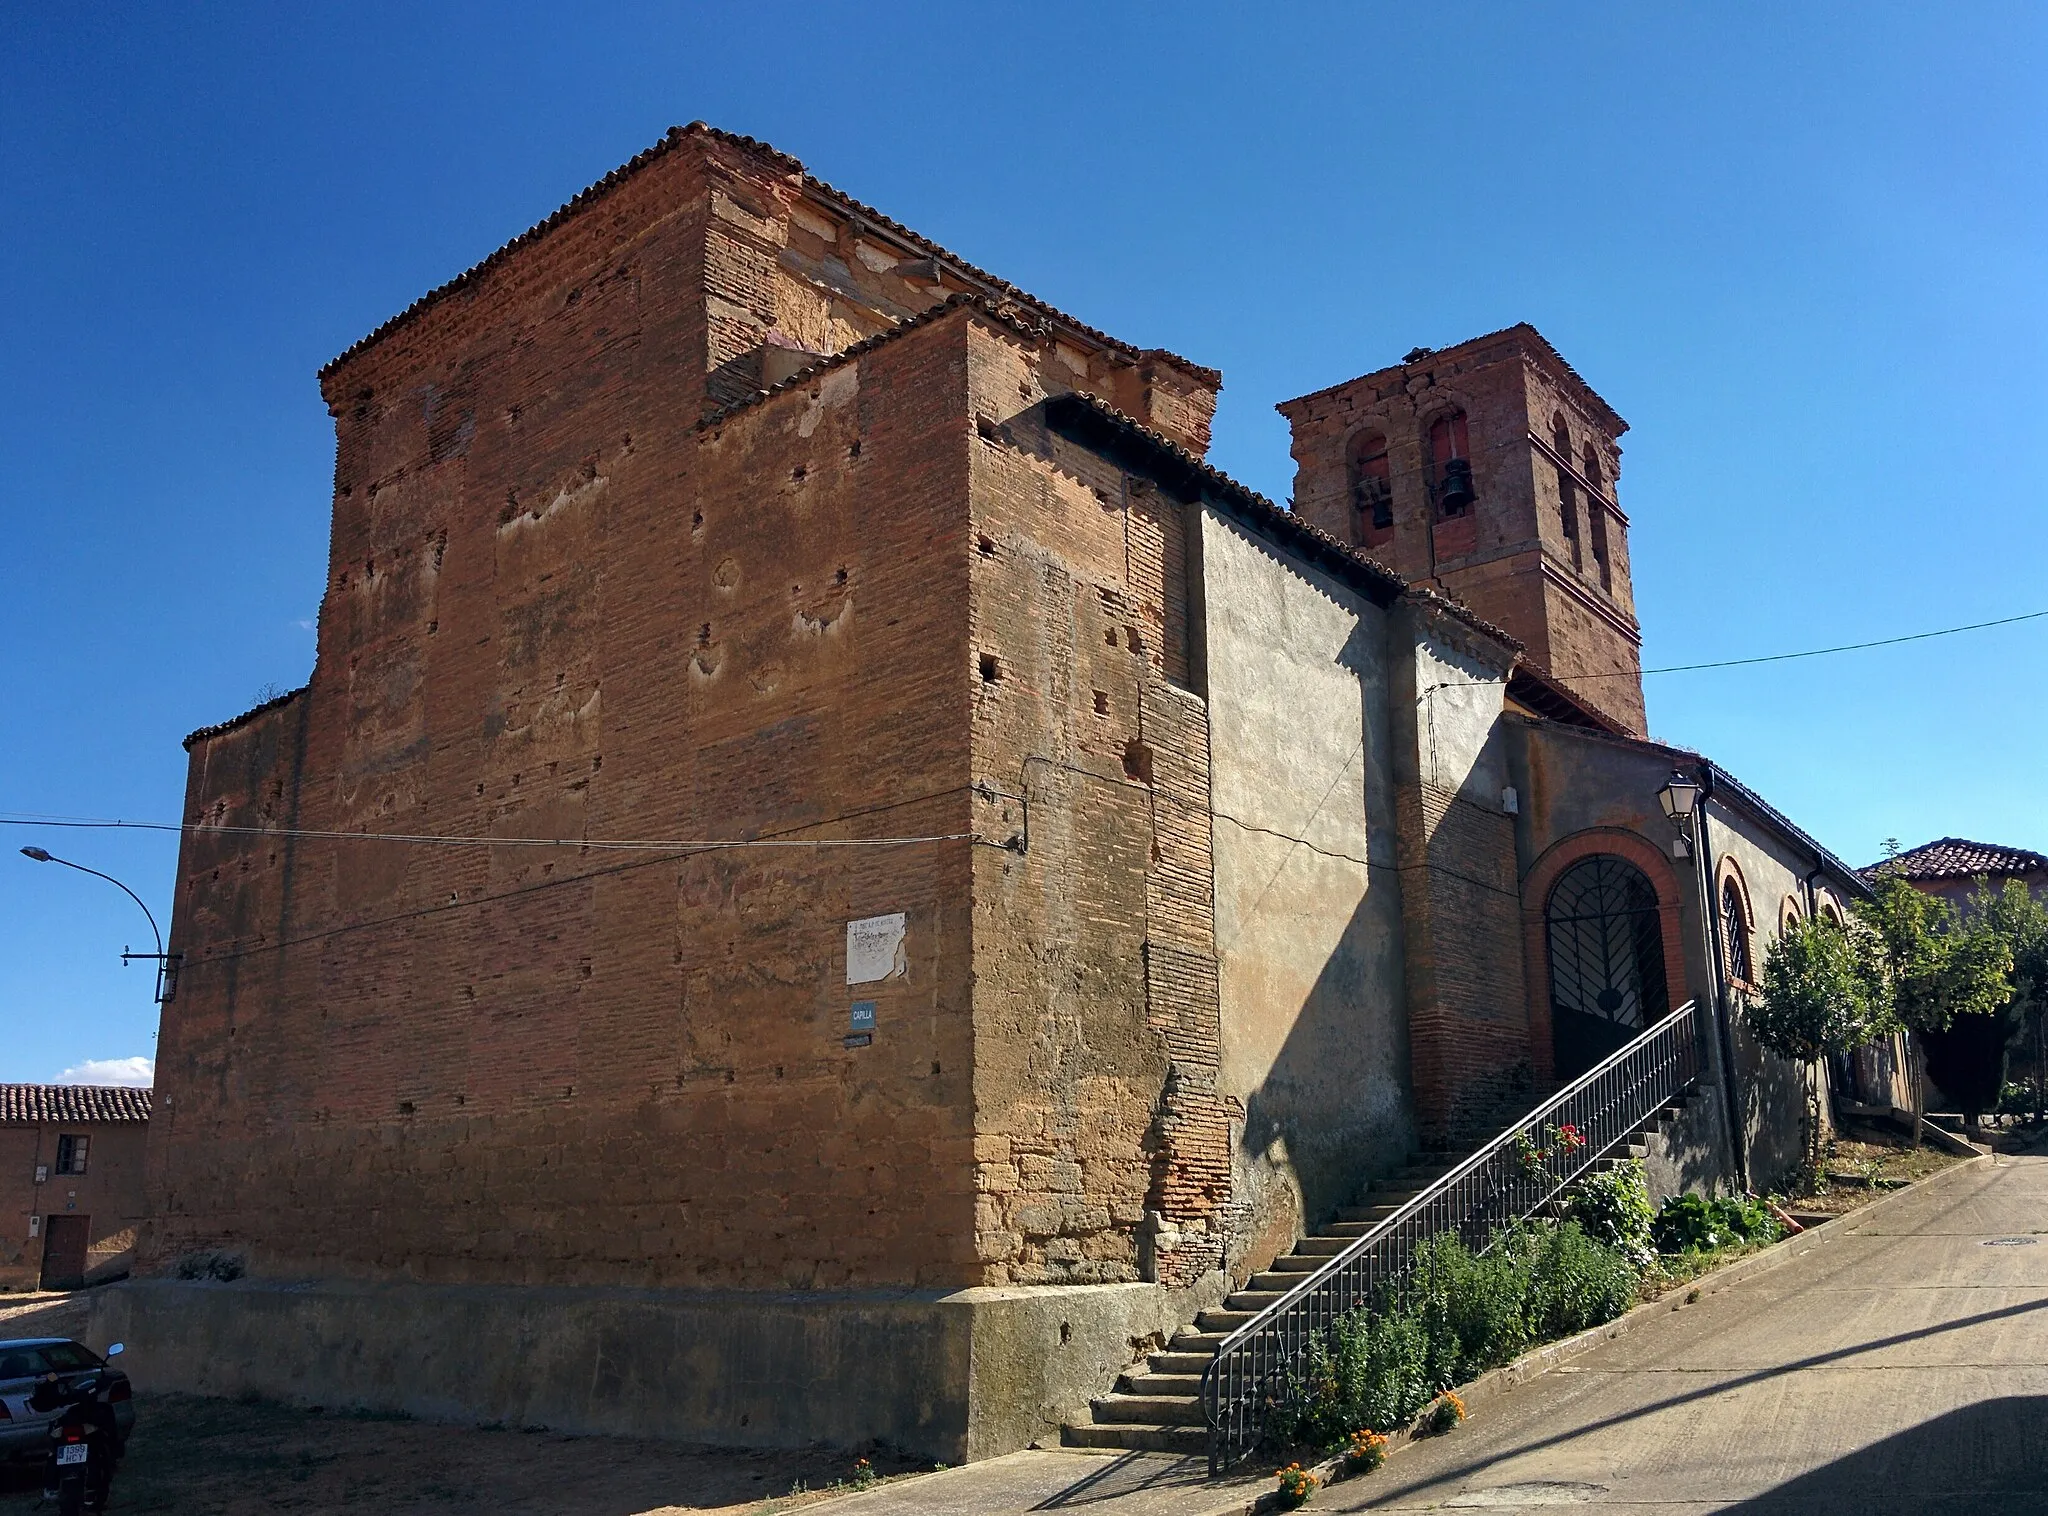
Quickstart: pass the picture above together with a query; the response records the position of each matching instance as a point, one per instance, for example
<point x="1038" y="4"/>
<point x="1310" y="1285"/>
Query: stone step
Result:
<point x="1190" y="1340"/>
<point x="1137" y="1438"/>
<point x="1182" y="1386"/>
<point x="1320" y="1246"/>
<point x="1148" y="1410"/>
<point x="1277" y="1281"/>
<point x="1251" y="1300"/>
<point x="1174" y="1362"/>
<point x="1225" y="1321"/>
<point x="1300" y="1263"/>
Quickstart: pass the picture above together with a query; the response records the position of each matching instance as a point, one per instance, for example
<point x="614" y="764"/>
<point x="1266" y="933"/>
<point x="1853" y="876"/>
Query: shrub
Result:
<point x="1296" y="1485"/>
<point x="1368" y="1450"/>
<point x="1577" y="1282"/>
<point x="1445" y="1412"/>
<point x="1694" y="1223"/>
<point x="1614" y="1209"/>
<point x="1459" y="1314"/>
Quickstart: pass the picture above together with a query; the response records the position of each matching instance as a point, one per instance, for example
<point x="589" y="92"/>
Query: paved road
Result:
<point x="1899" y="1366"/>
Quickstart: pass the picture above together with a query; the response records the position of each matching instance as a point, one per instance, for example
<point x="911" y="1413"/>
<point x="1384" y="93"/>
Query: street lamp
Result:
<point x="1679" y="797"/>
<point x="166" y="963"/>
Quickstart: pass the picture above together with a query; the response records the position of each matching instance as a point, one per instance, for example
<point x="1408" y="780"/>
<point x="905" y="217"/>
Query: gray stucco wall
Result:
<point x="950" y="1376"/>
<point x="1308" y="917"/>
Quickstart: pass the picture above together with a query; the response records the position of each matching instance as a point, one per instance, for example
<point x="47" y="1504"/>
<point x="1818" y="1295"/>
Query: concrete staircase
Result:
<point x="1157" y="1407"/>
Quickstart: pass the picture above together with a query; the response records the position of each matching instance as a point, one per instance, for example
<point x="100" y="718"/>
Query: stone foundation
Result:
<point x="948" y="1376"/>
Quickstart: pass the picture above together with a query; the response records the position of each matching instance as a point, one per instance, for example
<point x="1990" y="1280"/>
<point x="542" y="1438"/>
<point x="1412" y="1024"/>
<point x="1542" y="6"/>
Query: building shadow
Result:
<point x="1987" y="1456"/>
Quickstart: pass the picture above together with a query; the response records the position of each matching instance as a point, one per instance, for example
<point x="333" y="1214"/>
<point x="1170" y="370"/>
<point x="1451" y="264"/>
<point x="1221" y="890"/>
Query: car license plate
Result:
<point x="72" y="1452"/>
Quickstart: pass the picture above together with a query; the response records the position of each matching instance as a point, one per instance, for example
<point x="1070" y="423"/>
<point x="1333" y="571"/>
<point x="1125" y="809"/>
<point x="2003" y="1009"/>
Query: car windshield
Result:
<point x="66" y="1357"/>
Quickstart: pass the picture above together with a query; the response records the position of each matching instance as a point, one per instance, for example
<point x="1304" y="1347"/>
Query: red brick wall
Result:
<point x="1507" y="558"/>
<point x="584" y="618"/>
<point x="1095" y="998"/>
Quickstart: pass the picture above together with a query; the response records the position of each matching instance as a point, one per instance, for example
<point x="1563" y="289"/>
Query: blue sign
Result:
<point x="863" y="1018"/>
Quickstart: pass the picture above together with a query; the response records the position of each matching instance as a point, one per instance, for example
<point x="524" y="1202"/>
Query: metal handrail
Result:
<point x="1509" y="1179"/>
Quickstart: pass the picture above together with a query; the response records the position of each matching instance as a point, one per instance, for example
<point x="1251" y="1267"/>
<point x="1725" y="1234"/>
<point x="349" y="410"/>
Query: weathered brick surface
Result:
<point x="557" y="609"/>
<point x="1095" y="962"/>
<point x="1517" y="557"/>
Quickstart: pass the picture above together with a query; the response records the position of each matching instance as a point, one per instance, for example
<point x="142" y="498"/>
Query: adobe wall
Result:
<point x="1308" y="897"/>
<point x="1469" y="1029"/>
<point x="1103" y="1145"/>
<point x="109" y="1193"/>
<point x="579" y="618"/>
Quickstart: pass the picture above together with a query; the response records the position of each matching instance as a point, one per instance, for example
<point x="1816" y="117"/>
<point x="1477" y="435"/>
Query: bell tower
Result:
<point x="1487" y="470"/>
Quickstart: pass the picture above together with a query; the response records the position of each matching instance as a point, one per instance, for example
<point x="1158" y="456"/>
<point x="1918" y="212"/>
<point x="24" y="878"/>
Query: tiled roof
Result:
<point x="1316" y="545"/>
<point x="78" y="1104"/>
<point x="1002" y="313"/>
<point x="674" y="137"/>
<point x="249" y="715"/>
<point x="1959" y="858"/>
<point x="1522" y="329"/>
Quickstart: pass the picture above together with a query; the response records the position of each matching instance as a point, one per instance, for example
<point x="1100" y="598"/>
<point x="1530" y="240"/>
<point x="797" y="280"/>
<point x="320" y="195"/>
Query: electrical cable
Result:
<point x="630" y="845"/>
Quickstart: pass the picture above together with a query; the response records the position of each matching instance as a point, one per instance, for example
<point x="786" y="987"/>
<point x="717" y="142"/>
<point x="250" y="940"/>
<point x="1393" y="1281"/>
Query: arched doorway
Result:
<point x="1606" y="942"/>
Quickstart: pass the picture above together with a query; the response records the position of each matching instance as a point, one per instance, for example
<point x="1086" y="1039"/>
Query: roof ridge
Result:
<point x="1548" y="347"/>
<point x="668" y="141"/>
<point x="1291" y="521"/>
<point x="995" y="310"/>
<point x="82" y="1104"/>
<point x="193" y="738"/>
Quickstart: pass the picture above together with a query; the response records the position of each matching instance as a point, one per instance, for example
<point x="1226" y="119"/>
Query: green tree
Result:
<point x="2012" y="914"/>
<point x="1941" y="966"/>
<point x="1824" y="992"/>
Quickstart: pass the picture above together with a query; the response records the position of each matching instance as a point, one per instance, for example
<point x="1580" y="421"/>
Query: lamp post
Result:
<point x="1680" y="800"/>
<point x="166" y="963"/>
<point x="1680" y="797"/>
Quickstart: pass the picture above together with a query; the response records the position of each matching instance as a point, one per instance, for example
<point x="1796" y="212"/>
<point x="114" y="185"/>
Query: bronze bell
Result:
<point x="1456" y="492"/>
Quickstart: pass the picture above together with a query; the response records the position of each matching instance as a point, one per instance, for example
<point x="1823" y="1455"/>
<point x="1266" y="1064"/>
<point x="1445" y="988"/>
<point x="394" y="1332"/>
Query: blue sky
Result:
<point x="1801" y="249"/>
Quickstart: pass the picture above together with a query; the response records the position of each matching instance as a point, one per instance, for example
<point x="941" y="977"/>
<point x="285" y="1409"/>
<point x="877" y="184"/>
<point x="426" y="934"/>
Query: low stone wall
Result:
<point x="953" y="1377"/>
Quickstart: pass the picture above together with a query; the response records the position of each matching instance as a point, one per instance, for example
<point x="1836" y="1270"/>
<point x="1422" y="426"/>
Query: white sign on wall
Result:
<point x="874" y="949"/>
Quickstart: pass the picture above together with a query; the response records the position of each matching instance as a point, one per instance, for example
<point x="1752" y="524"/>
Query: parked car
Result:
<point x="24" y="1433"/>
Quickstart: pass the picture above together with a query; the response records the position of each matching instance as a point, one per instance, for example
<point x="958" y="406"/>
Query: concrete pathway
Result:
<point x="1070" y="1479"/>
<point x="1900" y="1365"/>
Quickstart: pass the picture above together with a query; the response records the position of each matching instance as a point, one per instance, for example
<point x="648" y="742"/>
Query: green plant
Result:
<point x="1697" y="1224"/>
<point x="863" y="1476"/>
<point x="1457" y="1315"/>
<point x="1824" y="993"/>
<point x="1368" y="1450"/>
<point x="1575" y="1283"/>
<point x="1444" y="1412"/>
<point x="1615" y="1210"/>
<point x="1297" y="1484"/>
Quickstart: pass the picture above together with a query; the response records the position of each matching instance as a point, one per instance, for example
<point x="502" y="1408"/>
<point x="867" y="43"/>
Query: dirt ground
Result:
<point x="202" y="1457"/>
<point x="1865" y="1162"/>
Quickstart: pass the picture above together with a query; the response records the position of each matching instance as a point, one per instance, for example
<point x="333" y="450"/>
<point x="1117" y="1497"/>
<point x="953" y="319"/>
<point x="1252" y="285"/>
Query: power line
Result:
<point x="628" y="845"/>
<point x="1729" y="663"/>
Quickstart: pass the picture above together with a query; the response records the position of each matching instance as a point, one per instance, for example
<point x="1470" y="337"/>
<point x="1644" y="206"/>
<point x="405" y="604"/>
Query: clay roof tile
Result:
<point x="72" y="1104"/>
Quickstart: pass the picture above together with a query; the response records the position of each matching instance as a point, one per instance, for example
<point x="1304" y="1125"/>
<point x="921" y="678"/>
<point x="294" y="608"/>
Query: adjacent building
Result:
<point x="1951" y="867"/>
<point x="71" y="1169"/>
<point x="834" y="880"/>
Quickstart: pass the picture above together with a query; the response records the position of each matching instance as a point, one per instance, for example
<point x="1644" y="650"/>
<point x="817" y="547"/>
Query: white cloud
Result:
<point x="133" y="1071"/>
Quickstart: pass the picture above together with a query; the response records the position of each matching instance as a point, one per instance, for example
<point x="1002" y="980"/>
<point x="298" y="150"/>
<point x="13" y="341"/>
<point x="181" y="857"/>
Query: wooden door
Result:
<point x="64" y="1240"/>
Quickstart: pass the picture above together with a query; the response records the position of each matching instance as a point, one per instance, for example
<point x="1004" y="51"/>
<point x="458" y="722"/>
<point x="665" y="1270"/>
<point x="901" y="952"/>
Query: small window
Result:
<point x="1567" y="492"/>
<point x="1372" y="486"/>
<point x="1450" y="465"/>
<point x="1597" y="505"/>
<point x="1735" y="932"/>
<point x="71" y="1154"/>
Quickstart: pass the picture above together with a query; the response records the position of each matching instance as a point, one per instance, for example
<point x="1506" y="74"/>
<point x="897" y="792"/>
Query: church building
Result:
<point x="834" y="880"/>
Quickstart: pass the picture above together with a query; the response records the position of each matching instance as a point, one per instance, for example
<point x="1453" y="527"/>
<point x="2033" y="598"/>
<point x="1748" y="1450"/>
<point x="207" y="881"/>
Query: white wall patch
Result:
<point x="874" y="949"/>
